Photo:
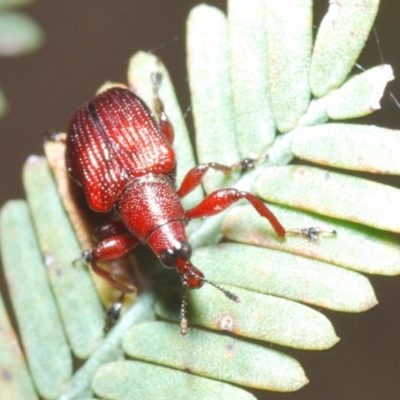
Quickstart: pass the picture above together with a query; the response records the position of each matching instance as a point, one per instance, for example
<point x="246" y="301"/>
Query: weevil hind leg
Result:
<point x="313" y="233"/>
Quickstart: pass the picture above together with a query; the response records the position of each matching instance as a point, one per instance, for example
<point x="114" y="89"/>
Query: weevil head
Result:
<point x="170" y="243"/>
<point x="193" y="278"/>
<point x="178" y="256"/>
<point x="178" y="249"/>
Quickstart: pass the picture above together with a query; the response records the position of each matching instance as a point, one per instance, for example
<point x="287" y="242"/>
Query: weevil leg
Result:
<point x="53" y="136"/>
<point x="195" y="175"/>
<point x="220" y="200"/>
<point x="113" y="228"/>
<point x="312" y="233"/>
<point x="110" y="249"/>
<point x="165" y="125"/>
<point x="113" y="313"/>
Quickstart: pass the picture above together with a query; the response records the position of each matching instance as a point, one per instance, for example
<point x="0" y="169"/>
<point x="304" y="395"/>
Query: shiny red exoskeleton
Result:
<point x="123" y="159"/>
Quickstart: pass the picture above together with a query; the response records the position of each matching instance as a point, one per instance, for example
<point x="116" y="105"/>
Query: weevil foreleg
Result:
<point x="110" y="249"/>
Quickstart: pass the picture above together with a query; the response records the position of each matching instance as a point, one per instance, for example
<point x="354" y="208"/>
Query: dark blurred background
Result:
<point x="89" y="42"/>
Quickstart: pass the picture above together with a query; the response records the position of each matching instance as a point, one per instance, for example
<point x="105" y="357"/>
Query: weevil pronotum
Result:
<point x="123" y="159"/>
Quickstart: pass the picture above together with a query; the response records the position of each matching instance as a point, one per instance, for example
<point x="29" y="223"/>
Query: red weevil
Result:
<point x="124" y="161"/>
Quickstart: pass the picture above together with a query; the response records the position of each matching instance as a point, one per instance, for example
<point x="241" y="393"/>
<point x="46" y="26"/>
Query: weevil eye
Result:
<point x="181" y="250"/>
<point x="167" y="257"/>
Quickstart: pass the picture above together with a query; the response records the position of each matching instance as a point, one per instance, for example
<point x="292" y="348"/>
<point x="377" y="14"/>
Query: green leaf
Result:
<point x="15" y="381"/>
<point x="19" y="34"/>
<point x="211" y="91"/>
<point x="79" y="305"/>
<point x="340" y="39"/>
<point x="316" y="113"/>
<point x="333" y="194"/>
<point x="354" y="147"/>
<point x="361" y="94"/>
<point x="256" y="316"/>
<point x="38" y="319"/>
<point x="289" y="40"/>
<point x="255" y="124"/>
<point x="354" y="246"/>
<point x="214" y="356"/>
<point x="285" y="275"/>
<point x="147" y="381"/>
<point x="79" y="385"/>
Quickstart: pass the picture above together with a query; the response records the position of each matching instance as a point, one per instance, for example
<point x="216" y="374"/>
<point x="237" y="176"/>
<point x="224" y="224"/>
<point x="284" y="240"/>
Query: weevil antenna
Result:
<point x="183" y="319"/>
<point x="184" y="326"/>
<point x="227" y="293"/>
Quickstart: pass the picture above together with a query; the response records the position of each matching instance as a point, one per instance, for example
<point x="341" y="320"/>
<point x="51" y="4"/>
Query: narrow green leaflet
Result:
<point x="340" y="39"/>
<point x="141" y="66"/>
<point x="79" y="385"/>
<point x="215" y="356"/>
<point x="19" y="34"/>
<point x="257" y="316"/>
<point x="285" y="275"/>
<point x="289" y="41"/>
<point x="39" y="323"/>
<point x="332" y="194"/>
<point x="15" y="381"/>
<point x="211" y="91"/>
<point x="354" y="246"/>
<point x="255" y="124"/>
<point x="78" y="303"/>
<point x="361" y="94"/>
<point x="127" y="380"/>
<point x="356" y="147"/>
